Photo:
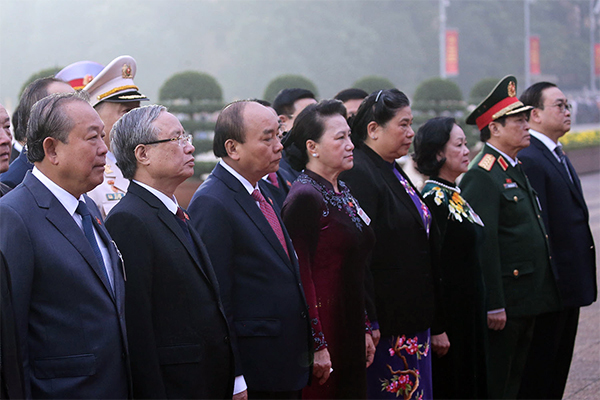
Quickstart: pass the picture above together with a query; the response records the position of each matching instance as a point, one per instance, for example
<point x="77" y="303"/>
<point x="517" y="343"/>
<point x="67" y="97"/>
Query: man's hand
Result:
<point x="440" y="344"/>
<point x="322" y="366"/>
<point x="241" y="396"/>
<point x="497" y="321"/>
<point x="376" y="336"/>
<point x="370" y="348"/>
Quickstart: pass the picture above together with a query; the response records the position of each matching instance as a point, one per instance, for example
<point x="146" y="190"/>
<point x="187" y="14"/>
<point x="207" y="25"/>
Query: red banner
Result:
<point x="597" y="58"/>
<point x="534" y="55"/>
<point x="451" y="52"/>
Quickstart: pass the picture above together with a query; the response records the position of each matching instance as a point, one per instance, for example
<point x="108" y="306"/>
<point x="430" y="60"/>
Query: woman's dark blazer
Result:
<point x="406" y="287"/>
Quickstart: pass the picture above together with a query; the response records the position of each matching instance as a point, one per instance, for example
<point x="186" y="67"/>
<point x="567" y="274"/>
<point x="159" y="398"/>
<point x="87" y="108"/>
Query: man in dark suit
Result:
<point x="253" y="256"/>
<point x="68" y="289"/>
<point x="177" y="330"/>
<point x="566" y="219"/>
<point x="514" y="256"/>
<point x="35" y="91"/>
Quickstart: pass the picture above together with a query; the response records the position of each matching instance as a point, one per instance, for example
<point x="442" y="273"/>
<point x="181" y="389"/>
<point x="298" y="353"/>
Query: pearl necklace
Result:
<point x="454" y="189"/>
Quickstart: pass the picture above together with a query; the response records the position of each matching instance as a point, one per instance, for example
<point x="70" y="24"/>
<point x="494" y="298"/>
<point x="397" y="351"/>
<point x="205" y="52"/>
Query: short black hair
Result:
<point x="230" y="125"/>
<point x="351" y="94"/>
<point x="35" y="91"/>
<point x="533" y="96"/>
<point x="429" y="140"/>
<point x="309" y="125"/>
<point x="380" y="106"/>
<point x="284" y="102"/>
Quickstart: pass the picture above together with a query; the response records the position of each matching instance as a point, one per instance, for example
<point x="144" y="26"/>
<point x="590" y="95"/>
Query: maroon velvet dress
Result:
<point x="332" y="242"/>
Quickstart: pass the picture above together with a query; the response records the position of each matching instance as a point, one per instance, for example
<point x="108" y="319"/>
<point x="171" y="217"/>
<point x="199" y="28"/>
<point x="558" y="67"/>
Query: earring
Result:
<point x="314" y="154"/>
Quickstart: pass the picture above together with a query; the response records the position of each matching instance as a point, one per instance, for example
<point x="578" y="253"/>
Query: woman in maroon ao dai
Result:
<point x="332" y="238"/>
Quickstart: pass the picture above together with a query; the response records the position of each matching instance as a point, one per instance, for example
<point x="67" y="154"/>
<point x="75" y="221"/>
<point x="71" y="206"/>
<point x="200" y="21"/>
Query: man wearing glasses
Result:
<point x="112" y="94"/>
<point x="177" y="331"/>
<point x="566" y="219"/>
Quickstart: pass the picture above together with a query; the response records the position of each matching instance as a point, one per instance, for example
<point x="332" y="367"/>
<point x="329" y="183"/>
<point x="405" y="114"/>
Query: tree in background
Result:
<point x="438" y="97"/>
<point x="196" y="99"/>
<point x="481" y="89"/>
<point x="288" y="82"/>
<point x="372" y="83"/>
<point x="40" y="74"/>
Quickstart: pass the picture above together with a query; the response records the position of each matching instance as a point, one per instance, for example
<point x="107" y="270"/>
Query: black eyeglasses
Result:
<point x="182" y="140"/>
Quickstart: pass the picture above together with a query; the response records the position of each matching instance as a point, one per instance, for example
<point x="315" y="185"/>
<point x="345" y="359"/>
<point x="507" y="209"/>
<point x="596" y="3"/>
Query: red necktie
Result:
<point x="271" y="217"/>
<point x="273" y="179"/>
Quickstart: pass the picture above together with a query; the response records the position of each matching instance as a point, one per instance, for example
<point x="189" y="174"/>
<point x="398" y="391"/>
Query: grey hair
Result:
<point x="48" y="119"/>
<point x="131" y="130"/>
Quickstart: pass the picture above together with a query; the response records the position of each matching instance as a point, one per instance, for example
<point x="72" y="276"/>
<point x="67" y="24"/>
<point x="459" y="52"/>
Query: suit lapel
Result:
<point x="58" y="216"/>
<point x="247" y="203"/>
<point x="574" y="185"/>
<point x="394" y="184"/>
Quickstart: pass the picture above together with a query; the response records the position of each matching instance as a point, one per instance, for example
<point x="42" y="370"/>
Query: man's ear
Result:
<point x="494" y="130"/>
<point x="49" y="144"/>
<point x="232" y="149"/>
<point x="535" y="116"/>
<point x="141" y="154"/>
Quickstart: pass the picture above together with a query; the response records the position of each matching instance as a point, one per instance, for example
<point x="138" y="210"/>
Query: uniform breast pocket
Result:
<point x="515" y="207"/>
<point x="518" y="282"/>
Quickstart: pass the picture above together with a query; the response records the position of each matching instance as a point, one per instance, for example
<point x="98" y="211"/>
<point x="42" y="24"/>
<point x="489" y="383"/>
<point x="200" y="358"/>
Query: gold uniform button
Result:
<point x="515" y="199"/>
<point x="546" y="236"/>
<point x="550" y="257"/>
<point x="516" y="272"/>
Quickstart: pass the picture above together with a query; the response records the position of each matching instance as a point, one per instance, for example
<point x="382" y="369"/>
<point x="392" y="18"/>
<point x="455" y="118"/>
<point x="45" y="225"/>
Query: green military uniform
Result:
<point x="515" y="257"/>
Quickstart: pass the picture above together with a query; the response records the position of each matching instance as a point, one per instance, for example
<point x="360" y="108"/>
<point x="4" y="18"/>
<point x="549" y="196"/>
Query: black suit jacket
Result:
<point x="14" y="153"/>
<point x="566" y="219"/>
<point x="70" y="322"/>
<point x="177" y="331"/>
<point x="407" y="285"/>
<point x="260" y="285"/>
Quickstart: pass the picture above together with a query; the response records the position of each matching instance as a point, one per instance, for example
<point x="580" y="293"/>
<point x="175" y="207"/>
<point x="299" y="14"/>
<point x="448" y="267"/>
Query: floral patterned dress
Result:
<point x="461" y="373"/>
<point x="332" y="241"/>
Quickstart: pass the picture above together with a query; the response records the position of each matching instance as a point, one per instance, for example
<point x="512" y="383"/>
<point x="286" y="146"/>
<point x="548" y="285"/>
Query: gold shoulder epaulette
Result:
<point x="502" y="163"/>
<point x="487" y="162"/>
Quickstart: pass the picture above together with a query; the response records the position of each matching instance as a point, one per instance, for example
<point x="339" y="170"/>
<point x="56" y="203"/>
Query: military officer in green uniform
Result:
<point x="514" y="256"/>
<point x="113" y="94"/>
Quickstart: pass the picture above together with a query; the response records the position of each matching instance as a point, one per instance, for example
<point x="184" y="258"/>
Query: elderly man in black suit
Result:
<point x="253" y="256"/>
<point x="566" y="219"/>
<point x="178" y="333"/>
<point x="5" y="138"/>
<point x="67" y="282"/>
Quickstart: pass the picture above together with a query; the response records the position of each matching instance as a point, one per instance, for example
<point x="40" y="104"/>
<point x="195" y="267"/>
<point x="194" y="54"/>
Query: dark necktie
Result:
<point x="563" y="160"/>
<point x="88" y="230"/>
<point x="271" y="217"/>
<point x="182" y="221"/>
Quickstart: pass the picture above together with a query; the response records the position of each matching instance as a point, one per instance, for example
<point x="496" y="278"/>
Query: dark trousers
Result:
<point x="549" y="358"/>
<point x="507" y="356"/>
<point x="287" y="395"/>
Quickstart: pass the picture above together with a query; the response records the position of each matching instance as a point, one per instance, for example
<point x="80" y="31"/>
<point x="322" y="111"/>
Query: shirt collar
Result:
<point x="65" y="198"/>
<point x="18" y="146"/>
<point x="549" y="143"/>
<point x="510" y="160"/>
<point x="170" y="203"/>
<point x="247" y="185"/>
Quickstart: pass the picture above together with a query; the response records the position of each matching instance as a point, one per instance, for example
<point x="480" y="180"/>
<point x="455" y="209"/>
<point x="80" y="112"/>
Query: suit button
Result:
<point x="303" y="314"/>
<point x="226" y="339"/>
<point x="123" y="356"/>
<point x="516" y="273"/>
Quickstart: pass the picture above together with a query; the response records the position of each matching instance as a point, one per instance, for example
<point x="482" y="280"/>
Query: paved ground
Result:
<point x="584" y="377"/>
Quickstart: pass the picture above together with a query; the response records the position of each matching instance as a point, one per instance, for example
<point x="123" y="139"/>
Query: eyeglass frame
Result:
<point x="562" y="107"/>
<point x="186" y="138"/>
